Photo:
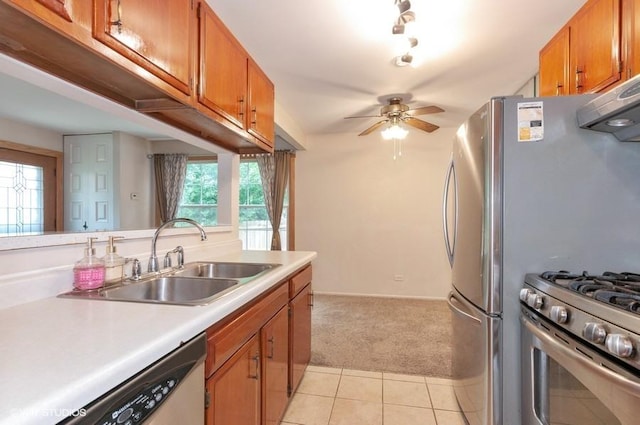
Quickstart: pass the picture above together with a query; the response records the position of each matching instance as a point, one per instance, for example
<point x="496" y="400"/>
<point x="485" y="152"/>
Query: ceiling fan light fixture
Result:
<point x="394" y="132"/>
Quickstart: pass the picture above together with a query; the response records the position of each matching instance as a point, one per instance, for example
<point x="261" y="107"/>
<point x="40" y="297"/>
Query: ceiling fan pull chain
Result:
<point x="397" y="148"/>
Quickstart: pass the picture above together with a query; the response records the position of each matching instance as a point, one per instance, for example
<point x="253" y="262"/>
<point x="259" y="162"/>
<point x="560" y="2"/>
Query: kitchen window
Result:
<point x="200" y="202"/>
<point x="200" y="194"/>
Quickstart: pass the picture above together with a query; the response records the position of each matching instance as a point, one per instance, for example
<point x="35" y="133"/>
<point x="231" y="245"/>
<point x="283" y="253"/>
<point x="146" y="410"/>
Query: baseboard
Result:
<point x="410" y="297"/>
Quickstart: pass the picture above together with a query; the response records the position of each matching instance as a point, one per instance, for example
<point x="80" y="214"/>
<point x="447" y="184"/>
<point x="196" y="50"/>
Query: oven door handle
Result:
<point x="582" y="365"/>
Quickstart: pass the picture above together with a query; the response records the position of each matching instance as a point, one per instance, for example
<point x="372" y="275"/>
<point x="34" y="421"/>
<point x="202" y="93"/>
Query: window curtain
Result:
<point x="274" y="173"/>
<point x="170" y="171"/>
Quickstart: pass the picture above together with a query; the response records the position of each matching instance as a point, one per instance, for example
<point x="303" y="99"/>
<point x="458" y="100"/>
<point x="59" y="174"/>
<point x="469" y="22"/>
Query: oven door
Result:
<point x="566" y="382"/>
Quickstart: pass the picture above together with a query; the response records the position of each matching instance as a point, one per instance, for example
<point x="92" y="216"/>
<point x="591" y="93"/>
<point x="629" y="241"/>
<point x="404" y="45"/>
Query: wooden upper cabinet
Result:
<point x="630" y="38"/>
<point x="222" y="76"/>
<point x="595" y="46"/>
<point x="260" y="114"/>
<point x="230" y="83"/>
<point x="554" y="65"/>
<point x="155" y="34"/>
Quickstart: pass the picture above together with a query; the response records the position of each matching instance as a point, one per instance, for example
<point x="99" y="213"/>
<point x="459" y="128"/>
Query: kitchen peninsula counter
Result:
<point x="59" y="354"/>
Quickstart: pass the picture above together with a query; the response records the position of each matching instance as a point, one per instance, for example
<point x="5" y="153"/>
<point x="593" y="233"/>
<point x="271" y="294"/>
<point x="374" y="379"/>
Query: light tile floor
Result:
<point x="329" y="396"/>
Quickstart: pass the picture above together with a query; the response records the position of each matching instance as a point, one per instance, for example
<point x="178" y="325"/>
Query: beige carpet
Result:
<point x="382" y="334"/>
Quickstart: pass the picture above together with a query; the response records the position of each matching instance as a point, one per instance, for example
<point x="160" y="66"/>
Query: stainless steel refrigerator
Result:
<point x="527" y="191"/>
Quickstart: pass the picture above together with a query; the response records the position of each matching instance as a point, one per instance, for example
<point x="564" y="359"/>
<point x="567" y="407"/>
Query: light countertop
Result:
<point x="59" y="354"/>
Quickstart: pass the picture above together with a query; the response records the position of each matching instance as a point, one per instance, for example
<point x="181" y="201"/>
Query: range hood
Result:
<point x="616" y="111"/>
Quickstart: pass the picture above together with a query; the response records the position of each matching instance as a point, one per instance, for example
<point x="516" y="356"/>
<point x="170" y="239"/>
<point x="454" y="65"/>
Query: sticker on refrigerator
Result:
<point x="530" y="122"/>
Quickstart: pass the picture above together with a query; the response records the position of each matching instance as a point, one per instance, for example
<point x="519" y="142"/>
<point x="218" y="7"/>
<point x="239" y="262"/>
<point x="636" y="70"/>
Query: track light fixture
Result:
<point x="405" y="19"/>
<point x="403" y="5"/>
<point x="404" y="60"/>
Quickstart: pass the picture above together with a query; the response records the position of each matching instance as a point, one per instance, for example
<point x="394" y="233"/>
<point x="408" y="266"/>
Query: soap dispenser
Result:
<point x="88" y="273"/>
<point x="113" y="263"/>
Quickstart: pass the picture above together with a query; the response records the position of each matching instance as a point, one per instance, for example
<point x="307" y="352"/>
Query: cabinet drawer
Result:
<point x="299" y="281"/>
<point x="223" y="341"/>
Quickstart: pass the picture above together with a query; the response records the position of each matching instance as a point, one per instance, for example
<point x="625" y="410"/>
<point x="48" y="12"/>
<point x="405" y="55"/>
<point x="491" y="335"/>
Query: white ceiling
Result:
<point x="330" y="59"/>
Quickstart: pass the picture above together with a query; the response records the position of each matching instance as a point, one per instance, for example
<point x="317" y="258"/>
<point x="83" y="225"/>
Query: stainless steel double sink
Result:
<point x="197" y="283"/>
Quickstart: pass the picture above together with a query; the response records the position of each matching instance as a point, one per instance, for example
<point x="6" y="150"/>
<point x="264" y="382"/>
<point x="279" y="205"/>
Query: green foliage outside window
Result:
<point x="251" y="197"/>
<point x="200" y="195"/>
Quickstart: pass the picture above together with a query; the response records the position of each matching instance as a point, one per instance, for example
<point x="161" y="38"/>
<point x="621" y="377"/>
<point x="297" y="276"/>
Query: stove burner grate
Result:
<point x="621" y="290"/>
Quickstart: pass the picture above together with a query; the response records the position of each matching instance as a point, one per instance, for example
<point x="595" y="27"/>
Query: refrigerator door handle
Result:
<point x="449" y="245"/>
<point x="458" y="307"/>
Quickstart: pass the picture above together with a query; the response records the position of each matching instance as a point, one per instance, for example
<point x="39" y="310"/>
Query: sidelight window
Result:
<point x="255" y="228"/>
<point x="28" y="196"/>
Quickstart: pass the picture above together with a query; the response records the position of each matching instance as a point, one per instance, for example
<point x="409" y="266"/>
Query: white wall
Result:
<point x="371" y="218"/>
<point x="134" y="177"/>
<point x="17" y="132"/>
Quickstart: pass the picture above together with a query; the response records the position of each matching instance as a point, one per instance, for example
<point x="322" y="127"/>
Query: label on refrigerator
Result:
<point x="530" y="122"/>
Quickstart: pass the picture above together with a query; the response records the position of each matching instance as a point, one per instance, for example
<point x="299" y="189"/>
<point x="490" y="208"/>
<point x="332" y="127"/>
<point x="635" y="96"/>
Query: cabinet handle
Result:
<point x="118" y="22"/>
<point x="579" y="84"/>
<point x="558" y="87"/>
<point x="271" y="341"/>
<point x="311" y="299"/>
<point x="241" y="107"/>
<point x="254" y="119"/>
<point x="256" y="359"/>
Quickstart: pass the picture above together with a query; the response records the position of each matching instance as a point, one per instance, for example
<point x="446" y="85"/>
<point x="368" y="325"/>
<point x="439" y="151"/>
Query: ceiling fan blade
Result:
<point x="422" y="125"/>
<point x="425" y="110"/>
<point x="364" y="116"/>
<point x="372" y="128"/>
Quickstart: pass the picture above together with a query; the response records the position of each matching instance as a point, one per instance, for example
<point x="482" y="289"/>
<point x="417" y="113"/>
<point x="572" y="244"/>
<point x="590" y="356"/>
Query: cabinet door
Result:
<point x="155" y="34"/>
<point x="631" y="37"/>
<point x="261" y="105"/>
<point x="554" y="65"/>
<point x="275" y="360"/>
<point x="595" y="46"/>
<point x="300" y="335"/>
<point x="234" y="390"/>
<point x="222" y="79"/>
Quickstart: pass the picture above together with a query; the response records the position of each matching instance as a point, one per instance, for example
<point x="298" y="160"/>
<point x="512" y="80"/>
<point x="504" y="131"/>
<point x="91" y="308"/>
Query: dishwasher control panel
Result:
<point x="139" y="405"/>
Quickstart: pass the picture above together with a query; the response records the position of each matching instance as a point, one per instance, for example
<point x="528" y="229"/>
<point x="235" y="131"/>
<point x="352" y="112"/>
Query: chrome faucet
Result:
<point x="153" y="260"/>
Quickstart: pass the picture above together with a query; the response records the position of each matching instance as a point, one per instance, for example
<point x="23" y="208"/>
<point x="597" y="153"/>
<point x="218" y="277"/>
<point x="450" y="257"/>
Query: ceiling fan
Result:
<point x="396" y="112"/>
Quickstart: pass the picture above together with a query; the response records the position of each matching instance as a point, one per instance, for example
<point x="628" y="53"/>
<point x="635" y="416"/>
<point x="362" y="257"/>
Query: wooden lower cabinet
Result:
<point x="300" y="349"/>
<point x="234" y="389"/>
<point x="256" y="357"/>
<point x="275" y="367"/>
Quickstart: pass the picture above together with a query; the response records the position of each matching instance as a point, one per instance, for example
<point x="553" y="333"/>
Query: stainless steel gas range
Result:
<point x="580" y="348"/>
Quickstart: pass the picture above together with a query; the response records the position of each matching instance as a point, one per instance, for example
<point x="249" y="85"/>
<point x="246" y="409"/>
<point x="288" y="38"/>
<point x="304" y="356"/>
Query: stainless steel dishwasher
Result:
<point x="169" y="392"/>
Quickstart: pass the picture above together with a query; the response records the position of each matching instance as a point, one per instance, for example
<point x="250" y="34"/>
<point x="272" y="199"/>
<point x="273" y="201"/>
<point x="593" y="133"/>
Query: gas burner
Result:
<point x="621" y="290"/>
